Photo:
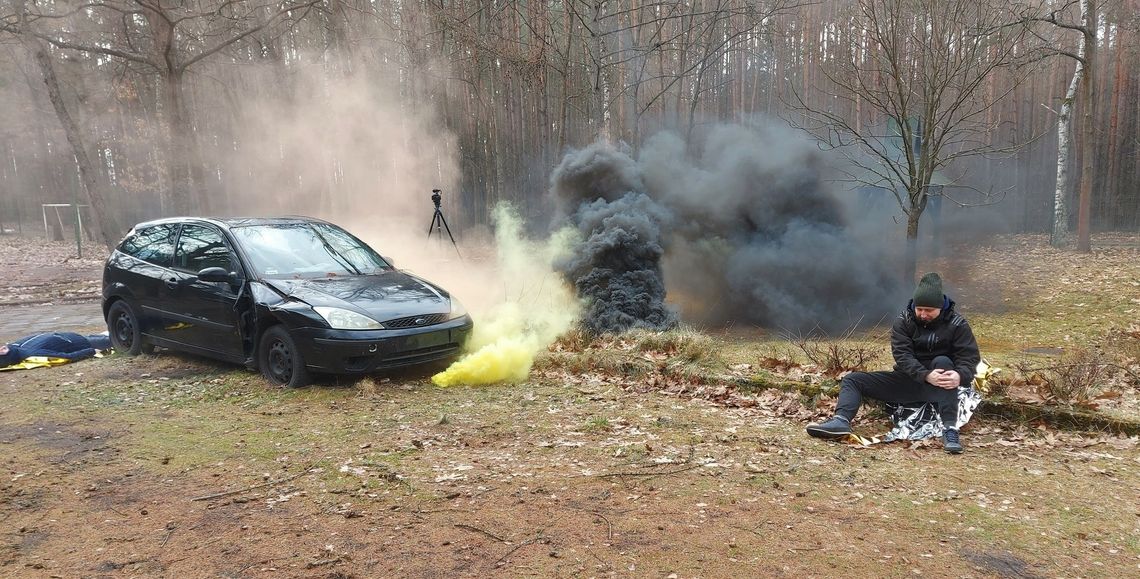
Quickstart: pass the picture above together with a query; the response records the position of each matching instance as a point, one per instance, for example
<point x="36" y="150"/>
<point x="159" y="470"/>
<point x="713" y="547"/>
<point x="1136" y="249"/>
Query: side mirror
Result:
<point x="389" y="260"/>
<point x="216" y="274"/>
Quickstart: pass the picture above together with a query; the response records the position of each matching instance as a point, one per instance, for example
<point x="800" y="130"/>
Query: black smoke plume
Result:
<point x="616" y="264"/>
<point x="752" y="233"/>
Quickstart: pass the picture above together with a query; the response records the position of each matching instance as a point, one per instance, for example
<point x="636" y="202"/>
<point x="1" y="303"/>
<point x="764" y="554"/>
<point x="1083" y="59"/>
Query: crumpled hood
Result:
<point x="383" y="296"/>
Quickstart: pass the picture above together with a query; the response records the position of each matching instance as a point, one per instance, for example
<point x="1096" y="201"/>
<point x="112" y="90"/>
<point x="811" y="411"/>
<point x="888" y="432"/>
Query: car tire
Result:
<point x="123" y="327"/>
<point x="279" y="359"/>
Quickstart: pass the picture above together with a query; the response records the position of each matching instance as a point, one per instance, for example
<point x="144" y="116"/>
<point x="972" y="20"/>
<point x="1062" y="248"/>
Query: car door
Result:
<point x="201" y="314"/>
<point x="142" y="265"/>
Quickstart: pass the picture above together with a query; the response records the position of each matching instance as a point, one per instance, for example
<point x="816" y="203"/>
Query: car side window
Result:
<point x="153" y="244"/>
<point x="200" y="247"/>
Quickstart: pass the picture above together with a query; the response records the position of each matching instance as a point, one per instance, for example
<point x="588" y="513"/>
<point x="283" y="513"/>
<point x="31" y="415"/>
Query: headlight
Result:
<point x="457" y="309"/>
<point x="342" y="319"/>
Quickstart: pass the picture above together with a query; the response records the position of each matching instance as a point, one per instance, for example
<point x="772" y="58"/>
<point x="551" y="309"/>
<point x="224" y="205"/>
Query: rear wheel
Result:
<point x="123" y="326"/>
<point x="280" y="361"/>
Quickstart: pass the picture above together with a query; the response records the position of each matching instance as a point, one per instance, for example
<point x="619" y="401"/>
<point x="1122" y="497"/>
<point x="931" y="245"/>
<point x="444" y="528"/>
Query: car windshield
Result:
<point x="290" y="250"/>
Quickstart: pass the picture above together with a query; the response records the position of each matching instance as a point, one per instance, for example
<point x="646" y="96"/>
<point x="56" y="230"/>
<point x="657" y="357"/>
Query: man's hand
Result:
<point x="948" y="379"/>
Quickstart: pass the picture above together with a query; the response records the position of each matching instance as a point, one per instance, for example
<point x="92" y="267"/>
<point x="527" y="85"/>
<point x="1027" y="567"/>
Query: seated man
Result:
<point x="935" y="352"/>
<point x="65" y="345"/>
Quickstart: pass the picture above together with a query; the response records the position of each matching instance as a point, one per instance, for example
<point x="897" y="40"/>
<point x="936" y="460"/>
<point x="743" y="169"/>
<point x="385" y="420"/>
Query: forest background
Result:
<point x="355" y="110"/>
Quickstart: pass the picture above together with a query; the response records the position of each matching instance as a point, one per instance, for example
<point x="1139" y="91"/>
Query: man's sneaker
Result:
<point x="950" y="441"/>
<point x="837" y="427"/>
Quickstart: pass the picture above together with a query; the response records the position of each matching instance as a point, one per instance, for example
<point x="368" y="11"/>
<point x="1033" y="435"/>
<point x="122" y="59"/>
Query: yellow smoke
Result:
<point x="537" y="306"/>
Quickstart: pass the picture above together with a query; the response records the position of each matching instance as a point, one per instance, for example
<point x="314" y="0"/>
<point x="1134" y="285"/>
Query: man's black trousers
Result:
<point x="896" y="387"/>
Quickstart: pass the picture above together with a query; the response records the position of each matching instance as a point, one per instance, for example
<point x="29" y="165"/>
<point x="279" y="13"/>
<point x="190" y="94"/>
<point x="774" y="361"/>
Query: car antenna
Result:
<point x="437" y="221"/>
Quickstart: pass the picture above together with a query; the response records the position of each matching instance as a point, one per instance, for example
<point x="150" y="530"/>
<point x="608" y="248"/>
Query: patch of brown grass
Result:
<point x="684" y="343"/>
<point x="1075" y="379"/>
<point x="850" y="352"/>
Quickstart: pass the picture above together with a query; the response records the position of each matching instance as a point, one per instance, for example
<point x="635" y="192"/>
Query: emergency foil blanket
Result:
<point x="921" y="421"/>
<point x="916" y="422"/>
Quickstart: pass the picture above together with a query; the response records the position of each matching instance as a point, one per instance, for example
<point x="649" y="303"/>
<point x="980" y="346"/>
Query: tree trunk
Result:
<point x="1088" y="147"/>
<point x="181" y="189"/>
<point x="563" y="107"/>
<point x="1060" y="237"/>
<point x="603" y="85"/>
<point x="104" y="221"/>
<point x="910" y="262"/>
<point x="1120" y="80"/>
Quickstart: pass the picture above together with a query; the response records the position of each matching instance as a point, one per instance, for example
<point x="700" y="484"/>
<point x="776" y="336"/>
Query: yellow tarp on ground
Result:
<point x="41" y="362"/>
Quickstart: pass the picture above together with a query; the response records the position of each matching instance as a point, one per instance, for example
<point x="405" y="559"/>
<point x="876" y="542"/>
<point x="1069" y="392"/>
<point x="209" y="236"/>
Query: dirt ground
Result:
<point x="38" y="271"/>
<point x="173" y="466"/>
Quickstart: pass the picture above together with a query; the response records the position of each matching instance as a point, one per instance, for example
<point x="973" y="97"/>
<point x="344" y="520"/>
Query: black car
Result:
<point x="284" y="295"/>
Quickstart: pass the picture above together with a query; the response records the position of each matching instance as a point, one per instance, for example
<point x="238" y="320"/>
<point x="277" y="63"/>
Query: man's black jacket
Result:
<point x="914" y="343"/>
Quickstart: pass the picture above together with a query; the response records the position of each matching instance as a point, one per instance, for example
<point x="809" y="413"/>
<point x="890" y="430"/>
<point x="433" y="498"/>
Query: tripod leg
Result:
<point x="453" y="244"/>
<point x="432" y="224"/>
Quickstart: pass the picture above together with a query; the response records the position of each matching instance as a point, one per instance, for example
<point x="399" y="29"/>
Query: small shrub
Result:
<point x="844" y="353"/>
<point x="999" y="384"/>
<point x="1124" y="345"/>
<point x="1075" y="379"/>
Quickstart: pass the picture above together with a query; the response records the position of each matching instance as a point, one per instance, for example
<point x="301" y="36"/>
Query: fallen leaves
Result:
<point x="38" y="271"/>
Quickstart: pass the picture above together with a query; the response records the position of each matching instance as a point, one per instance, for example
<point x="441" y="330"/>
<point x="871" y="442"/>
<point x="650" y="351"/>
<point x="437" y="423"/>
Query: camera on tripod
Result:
<point x="438" y="223"/>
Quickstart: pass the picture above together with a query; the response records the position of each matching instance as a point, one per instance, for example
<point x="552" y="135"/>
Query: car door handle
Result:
<point x="171" y="282"/>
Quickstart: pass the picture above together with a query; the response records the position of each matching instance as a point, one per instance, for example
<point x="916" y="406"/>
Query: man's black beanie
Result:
<point x="928" y="294"/>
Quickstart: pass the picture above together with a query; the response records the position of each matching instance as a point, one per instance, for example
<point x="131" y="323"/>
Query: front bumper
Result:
<point x="364" y="351"/>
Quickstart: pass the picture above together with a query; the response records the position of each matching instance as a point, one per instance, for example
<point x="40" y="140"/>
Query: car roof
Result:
<point x="229" y="222"/>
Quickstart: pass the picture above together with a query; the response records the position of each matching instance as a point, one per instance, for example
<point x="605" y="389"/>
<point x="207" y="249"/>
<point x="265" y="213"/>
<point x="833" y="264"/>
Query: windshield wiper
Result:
<point x="335" y="254"/>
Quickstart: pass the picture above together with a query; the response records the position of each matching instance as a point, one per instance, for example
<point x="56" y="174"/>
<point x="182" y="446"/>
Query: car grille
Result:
<point x="415" y="321"/>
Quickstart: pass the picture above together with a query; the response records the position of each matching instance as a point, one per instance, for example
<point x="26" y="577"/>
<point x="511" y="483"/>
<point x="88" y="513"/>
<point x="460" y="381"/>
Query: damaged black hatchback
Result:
<point x="287" y="296"/>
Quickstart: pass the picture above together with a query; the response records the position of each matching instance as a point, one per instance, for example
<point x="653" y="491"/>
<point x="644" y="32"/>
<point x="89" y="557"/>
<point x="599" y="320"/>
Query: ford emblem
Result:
<point x="420" y="321"/>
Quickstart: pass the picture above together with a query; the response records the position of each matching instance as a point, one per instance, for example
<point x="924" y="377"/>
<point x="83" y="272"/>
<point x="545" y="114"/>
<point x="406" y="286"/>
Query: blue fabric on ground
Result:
<point x="66" y="345"/>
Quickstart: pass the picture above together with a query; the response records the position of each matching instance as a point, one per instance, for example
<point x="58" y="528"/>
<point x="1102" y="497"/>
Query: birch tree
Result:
<point x="1060" y="233"/>
<point x="1083" y="79"/>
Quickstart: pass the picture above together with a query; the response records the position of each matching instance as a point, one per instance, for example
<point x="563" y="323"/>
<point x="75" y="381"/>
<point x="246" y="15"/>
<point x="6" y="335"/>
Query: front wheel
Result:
<point x="279" y="359"/>
<point x="123" y="326"/>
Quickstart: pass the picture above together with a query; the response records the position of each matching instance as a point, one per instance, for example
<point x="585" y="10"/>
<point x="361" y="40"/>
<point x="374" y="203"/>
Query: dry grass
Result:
<point x="559" y="476"/>
<point x="616" y="458"/>
<point x="634" y="354"/>
<point x="684" y="343"/>
<point x="853" y="351"/>
<point x="1075" y="379"/>
<point x="1124" y="345"/>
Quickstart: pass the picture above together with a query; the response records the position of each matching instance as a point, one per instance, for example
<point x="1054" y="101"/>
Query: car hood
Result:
<point x="383" y="296"/>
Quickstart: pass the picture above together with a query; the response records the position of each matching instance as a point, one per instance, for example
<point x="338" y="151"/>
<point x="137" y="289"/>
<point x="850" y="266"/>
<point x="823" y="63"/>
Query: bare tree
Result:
<point x="167" y="39"/>
<point x="691" y="43"/>
<point x="105" y="222"/>
<point x="917" y="70"/>
<point x="154" y="85"/>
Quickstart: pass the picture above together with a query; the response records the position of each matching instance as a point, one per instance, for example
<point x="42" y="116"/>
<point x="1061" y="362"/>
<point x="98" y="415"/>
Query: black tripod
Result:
<point x="437" y="220"/>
